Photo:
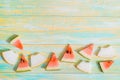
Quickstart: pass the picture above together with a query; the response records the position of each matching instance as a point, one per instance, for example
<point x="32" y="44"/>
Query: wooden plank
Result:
<point x="61" y="7"/>
<point x="24" y="76"/>
<point x="62" y="37"/>
<point x="51" y="23"/>
<point x="47" y="23"/>
<point x="66" y="68"/>
<point x="40" y="23"/>
<point x="46" y="26"/>
<point x="61" y="30"/>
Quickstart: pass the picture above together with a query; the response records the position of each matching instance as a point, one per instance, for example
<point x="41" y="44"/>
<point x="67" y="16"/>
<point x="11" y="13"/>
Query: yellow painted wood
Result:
<point x="61" y="30"/>
<point x="48" y="25"/>
<point x="60" y="7"/>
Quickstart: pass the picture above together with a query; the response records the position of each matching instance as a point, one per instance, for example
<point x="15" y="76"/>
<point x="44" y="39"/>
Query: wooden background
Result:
<point x="48" y="25"/>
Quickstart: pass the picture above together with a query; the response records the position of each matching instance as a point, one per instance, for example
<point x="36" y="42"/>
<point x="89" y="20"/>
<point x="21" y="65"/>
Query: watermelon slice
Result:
<point x="107" y="52"/>
<point x="53" y="64"/>
<point x="10" y="57"/>
<point x="85" y="66"/>
<point x="17" y="42"/>
<point x="68" y="55"/>
<point x="105" y="65"/>
<point x="87" y="52"/>
<point x="36" y="59"/>
<point x="23" y="64"/>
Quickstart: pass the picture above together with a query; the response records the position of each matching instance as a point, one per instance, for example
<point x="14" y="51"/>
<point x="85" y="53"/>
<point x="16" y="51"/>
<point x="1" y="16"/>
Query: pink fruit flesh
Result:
<point x="53" y="61"/>
<point x="18" y="44"/>
<point x="107" y="64"/>
<point x="88" y="49"/>
<point x="68" y="53"/>
<point x="23" y="62"/>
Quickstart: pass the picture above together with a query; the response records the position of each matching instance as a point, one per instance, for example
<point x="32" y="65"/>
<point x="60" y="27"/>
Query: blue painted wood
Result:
<point x="46" y="26"/>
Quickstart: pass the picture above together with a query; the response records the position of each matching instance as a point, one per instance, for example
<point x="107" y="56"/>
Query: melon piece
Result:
<point x="107" y="52"/>
<point x="10" y="57"/>
<point x="23" y="64"/>
<point x="17" y="42"/>
<point x="68" y="55"/>
<point x="36" y="59"/>
<point x="87" y="52"/>
<point x="85" y="66"/>
<point x="105" y="65"/>
<point x="53" y="63"/>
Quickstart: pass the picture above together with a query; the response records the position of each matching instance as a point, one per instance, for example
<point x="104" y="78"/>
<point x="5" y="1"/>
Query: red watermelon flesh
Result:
<point x="107" y="64"/>
<point x="88" y="49"/>
<point x="68" y="55"/>
<point x="18" y="44"/>
<point x="53" y="63"/>
<point x="23" y="64"/>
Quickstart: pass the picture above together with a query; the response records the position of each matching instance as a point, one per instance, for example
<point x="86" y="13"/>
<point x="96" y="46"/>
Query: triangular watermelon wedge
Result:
<point x="87" y="52"/>
<point x="23" y="64"/>
<point x="68" y="55"/>
<point x="53" y="63"/>
<point x="17" y="42"/>
<point x="105" y="65"/>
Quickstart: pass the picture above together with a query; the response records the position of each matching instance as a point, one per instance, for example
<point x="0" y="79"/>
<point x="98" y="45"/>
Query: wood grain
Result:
<point x="61" y="30"/>
<point x="46" y="25"/>
<point x="66" y="68"/>
<point x="61" y="7"/>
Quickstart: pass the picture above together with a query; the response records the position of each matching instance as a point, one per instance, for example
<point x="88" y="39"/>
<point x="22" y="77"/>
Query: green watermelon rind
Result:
<point x="102" y="68"/>
<point x="13" y="40"/>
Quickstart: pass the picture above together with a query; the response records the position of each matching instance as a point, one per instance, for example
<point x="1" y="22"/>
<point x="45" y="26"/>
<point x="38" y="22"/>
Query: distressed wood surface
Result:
<point x="61" y="30"/>
<point x="61" y="7"/>
<point x="46" y="26"/>
<point x="66" y="68"/>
